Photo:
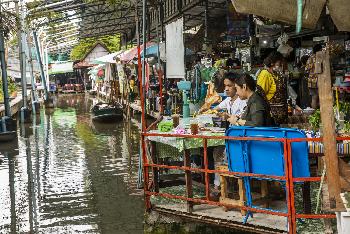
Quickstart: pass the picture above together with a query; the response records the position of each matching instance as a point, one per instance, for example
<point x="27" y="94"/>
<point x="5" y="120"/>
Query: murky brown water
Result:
<point x="69" y="175"/>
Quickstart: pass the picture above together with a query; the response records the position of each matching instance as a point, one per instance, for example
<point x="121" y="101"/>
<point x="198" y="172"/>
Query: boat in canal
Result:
<point x="7" y="136"/>
<point x="107" y="112"/>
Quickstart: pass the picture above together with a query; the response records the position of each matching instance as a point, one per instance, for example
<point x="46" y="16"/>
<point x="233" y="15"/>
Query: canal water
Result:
<point x="66" y="174"/>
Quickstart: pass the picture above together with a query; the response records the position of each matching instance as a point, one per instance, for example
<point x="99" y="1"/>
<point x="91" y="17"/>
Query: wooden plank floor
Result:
<point x="269" y="223"/>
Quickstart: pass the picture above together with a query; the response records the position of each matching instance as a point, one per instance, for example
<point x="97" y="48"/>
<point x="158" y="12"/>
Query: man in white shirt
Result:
<point x="234" y="106"/>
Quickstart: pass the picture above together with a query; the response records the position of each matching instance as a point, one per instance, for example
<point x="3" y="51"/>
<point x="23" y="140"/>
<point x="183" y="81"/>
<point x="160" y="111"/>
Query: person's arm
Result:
<point x="257" y="112"/>
<point x="257" y="119"/>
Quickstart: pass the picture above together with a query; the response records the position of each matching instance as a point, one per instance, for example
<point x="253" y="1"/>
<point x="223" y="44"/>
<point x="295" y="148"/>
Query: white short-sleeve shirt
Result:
<point x="233" y="108"/>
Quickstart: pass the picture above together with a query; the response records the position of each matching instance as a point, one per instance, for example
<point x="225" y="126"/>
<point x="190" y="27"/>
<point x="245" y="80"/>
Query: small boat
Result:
<point x="8" y="136"/>
<point x="92" y="92"/>
<point x="107" y="112"/>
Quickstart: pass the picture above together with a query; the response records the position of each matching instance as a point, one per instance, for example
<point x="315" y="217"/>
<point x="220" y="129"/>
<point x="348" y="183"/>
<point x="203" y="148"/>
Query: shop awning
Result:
<point x="130" y="54"/>
<point x="59" y="68"/>
<point x="83" y="64"/>
<point x="339" y="10"/>
<point x="109" y="58"/>
<point x="286" y="11"/>
<point x="282" y="10"/>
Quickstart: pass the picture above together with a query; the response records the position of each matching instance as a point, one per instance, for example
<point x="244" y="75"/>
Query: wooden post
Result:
<point x="155" y="170"/>
<point x="188" y="179"/>
<point x="322" y="67"/>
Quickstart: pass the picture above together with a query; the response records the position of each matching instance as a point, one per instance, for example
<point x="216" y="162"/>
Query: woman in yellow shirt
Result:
<point x="273" y="83"/>
<point x="267" y="81"/>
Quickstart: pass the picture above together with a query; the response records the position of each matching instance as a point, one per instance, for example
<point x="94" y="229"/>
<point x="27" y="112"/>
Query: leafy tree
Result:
<point x="12" y="87"/>
<point x="112" y="42"/>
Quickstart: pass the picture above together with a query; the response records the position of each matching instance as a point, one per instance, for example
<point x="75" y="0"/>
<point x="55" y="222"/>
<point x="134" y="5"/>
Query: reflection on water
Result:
<point x="68" y="175"/>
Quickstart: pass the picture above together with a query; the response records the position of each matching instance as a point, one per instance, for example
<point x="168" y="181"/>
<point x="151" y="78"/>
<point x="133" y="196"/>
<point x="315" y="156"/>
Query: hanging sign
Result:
<point x="175" y="50"/>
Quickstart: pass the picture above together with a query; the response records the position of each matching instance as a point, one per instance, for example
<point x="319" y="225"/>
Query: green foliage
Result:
<point x="33" y="4"/>
<point x="40" y="14"/>
<point x="13" y="42"/>
<point x="344" y="107"/>
<point x="112" y="42"/>
<point x="8" y="22"/>
<point x="58" y="57"/>
<point x="12" y="87"/>
<point x="315" y="120"/>
<point x="346" y="128"/>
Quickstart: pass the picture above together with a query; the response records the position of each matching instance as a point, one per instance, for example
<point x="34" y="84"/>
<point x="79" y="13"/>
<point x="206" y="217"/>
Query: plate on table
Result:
<point x="217" y="129"/>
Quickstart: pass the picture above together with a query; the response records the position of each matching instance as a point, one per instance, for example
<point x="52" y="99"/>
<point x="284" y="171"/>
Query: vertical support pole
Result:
<point x="157" y="30"/>
<point x="3" y="70"/>
<point x="145" y="174"/>
<point x="47" y="65"/>
<point x="306" y="197"/>
<point x="142" y="95"/>
<point x="328" y="124"/>
<point x="205" y="148"/>
<point x="161" y="16"/>
<point x="31" y="70"/>
<point x="142" y="83"/>
<point x="160" y="67"/>
<point x="206" y="23"/>
<point x="22" y="59"/>
<point x="40" y="64"/>
<point x="293" y="228"/>
<point x="299" y="16"/>
<point x="288" y="188"/>
<point x="188" y="179"/>
<point x="155" y="170"/>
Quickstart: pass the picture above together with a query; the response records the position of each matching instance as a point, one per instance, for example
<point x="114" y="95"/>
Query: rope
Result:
<point x="320" y="188"/>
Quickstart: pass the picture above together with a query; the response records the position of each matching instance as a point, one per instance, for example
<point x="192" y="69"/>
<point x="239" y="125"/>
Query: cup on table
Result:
<point x="194" y="127"/>
<point x="176" y="120"/>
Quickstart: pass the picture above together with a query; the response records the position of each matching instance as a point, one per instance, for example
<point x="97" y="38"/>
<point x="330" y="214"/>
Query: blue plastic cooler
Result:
<point x="265" y="157"/>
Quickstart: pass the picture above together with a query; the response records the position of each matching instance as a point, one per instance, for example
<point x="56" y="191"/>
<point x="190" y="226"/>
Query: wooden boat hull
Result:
<point x="109" y="114"/>
<point x="8" y="136"/>
<point x="92" y="92"/>
<point x="107" y="117"/>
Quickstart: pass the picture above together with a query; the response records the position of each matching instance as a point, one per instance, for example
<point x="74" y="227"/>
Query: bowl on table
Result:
<point x="219" y="122"/>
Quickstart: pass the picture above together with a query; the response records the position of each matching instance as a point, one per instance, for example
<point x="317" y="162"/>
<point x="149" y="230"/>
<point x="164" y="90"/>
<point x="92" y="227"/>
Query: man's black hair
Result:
<point x="232" y="76"/>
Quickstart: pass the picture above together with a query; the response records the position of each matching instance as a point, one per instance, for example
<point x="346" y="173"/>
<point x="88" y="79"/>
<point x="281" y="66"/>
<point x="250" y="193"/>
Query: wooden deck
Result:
<point x="15" y="103"/>
<point x="260" y="223"/>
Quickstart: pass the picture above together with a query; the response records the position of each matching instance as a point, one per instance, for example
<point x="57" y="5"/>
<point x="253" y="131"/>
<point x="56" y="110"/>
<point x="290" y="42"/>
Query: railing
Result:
<point x="291" y="213"/>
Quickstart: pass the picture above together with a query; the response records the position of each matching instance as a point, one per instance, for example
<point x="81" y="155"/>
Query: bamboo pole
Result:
<point x="4" y="69"/>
